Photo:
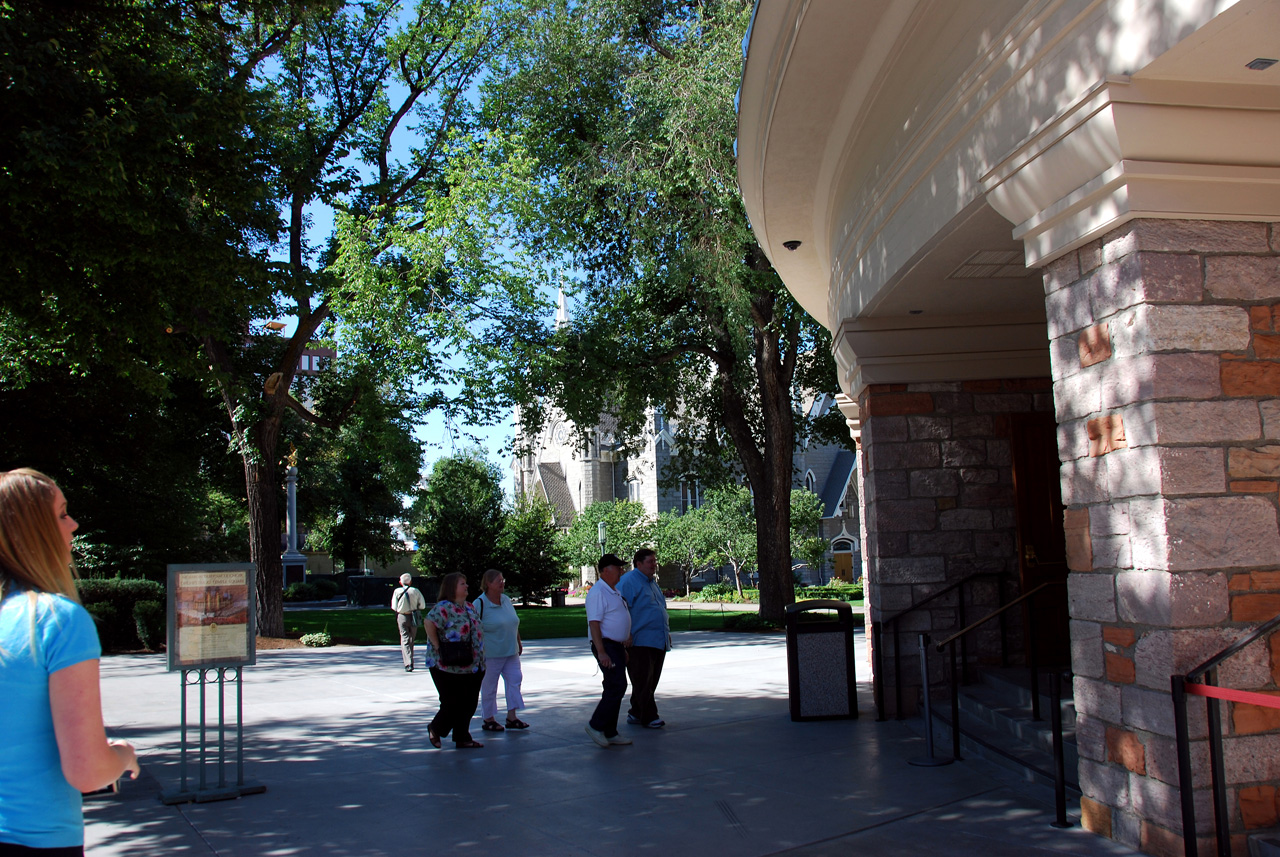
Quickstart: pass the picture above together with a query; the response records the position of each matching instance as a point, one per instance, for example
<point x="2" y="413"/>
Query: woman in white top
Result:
<point x="502" y="650"/>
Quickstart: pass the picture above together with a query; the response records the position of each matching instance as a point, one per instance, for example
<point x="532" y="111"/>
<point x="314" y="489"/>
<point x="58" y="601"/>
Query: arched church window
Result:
<point x="690" y="496"/>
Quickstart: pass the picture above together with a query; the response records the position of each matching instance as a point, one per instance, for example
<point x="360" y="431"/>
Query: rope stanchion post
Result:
<point x="1059" y="760"/>
<point x="1213" y="695"/>
<point x="929" y="760"/>
<point x="1178" y="688"/>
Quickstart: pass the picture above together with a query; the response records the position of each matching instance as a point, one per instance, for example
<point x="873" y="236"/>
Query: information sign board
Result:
<point x="212" y="621"/>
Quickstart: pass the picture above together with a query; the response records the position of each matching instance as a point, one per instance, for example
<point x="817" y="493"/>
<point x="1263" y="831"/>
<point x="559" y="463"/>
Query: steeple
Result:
<point x="562" y="308"/>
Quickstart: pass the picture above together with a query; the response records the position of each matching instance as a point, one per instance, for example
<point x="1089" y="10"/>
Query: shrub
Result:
<point x="326" y="588"/>
<point x="301" y="592"/>
<point x="748" y="622"/>
<point x="149" y="620"/>
<point x="111" y="603"/>
<point x="835" y="591"/>
<point x="716" y="592"/>
<point x="317" y="640"/>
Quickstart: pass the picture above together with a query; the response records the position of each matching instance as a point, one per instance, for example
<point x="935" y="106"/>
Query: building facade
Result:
<point x="571" y="475"/>
<point x="1045" y="236"/>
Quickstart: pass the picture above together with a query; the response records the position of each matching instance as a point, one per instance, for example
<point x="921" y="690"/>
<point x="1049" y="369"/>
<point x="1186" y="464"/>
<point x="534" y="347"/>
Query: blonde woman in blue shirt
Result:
<point x="502" y="650"/>
<point x="55" y="745"/>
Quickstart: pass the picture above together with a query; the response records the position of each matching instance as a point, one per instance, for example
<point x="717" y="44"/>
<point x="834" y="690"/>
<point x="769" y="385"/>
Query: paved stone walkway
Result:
<point x="338" y="736"/>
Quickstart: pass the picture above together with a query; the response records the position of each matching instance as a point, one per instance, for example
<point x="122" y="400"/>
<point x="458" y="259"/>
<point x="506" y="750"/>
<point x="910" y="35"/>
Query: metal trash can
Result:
<point x="557" y="598"/>
<point x="821" y="679"/>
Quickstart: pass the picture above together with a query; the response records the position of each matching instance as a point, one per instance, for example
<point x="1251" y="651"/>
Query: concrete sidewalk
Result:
<point x="338" y="736"/>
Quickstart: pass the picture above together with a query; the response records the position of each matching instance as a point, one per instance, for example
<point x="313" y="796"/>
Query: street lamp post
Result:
<point x="601" y="535"/>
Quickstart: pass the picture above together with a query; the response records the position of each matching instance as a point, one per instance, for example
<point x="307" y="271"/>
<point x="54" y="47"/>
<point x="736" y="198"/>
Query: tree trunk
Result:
<point x="773" y="540"/>
<point x="769" y="464"/>
<point x="262" y="488"/>
<point x="262" y="485"/>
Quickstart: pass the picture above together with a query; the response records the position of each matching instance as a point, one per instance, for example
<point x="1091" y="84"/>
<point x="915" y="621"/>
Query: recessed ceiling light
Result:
<point x="1261" y="64"/>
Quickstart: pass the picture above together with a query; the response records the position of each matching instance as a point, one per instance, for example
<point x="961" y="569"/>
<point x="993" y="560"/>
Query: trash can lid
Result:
<point x="820" y="604"/>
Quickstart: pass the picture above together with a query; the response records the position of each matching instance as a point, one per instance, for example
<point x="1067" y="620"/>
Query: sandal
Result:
<point x="469" y="745"/>
<point x="433" y="738"/>
<point x="517" y="724"/>
<point x="493" y="726"/>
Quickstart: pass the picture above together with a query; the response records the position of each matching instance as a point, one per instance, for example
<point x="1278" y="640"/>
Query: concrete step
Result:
<point x="988" y="706"/>
<point x="1014" y="684"/>
<point x="996" y="725"/>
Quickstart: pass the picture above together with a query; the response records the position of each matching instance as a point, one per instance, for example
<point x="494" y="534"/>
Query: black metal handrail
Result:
<point x="1032" y="656"/>
<point x="1059" y="778"/>
<point x="877" y="648"/>
<point x="1179" y="685"/>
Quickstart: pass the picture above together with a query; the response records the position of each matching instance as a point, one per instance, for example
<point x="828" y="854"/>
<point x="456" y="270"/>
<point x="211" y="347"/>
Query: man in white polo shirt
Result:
<point x="609" y="626"/>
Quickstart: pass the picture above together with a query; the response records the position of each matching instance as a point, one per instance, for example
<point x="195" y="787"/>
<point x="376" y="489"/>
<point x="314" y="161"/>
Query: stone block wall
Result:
<point x="938" y="506"/>
<point x="1165" y="339"/>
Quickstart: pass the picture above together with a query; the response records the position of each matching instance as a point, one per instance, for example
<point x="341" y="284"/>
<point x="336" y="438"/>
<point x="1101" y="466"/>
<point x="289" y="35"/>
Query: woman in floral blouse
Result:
<point x="456" y="659"/>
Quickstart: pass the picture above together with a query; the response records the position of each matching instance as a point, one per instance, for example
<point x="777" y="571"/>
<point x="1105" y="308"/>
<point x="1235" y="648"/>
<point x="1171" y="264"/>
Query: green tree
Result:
<point x="370" y="124"/>
<point x="627" y="528"/>
<point x="458" y="519"/>
<point x="532" y="554"/>
<point x="136" y="195"/>
<point x="145" y="476"/>
<point x="164" y="162"/>
<point x="684" y="541"/>
<point x="354" y="479"/>
<point x="807" y="543"/>
<point x="731" y="527"/>
<point x="627" y="108"/>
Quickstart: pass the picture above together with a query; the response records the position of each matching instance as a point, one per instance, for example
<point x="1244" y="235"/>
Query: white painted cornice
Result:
<point x="1141" y="149"/>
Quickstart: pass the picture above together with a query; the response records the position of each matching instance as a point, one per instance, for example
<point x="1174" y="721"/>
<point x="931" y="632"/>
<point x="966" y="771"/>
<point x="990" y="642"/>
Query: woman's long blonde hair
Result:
<point x="33" y="551"/>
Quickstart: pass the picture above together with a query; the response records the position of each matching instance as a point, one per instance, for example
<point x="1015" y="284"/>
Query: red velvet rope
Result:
<point x="1246" y="696"/>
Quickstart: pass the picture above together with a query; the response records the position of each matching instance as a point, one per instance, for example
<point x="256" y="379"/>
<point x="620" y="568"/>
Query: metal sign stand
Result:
<point x="204" y="791"/>
<point x="212" y="628"/>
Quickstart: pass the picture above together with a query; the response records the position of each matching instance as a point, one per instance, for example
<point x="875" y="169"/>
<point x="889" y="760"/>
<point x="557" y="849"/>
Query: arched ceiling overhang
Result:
<point x="922" y="152"/>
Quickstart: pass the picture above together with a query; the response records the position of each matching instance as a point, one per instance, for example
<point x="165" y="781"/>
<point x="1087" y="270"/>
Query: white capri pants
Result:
<point x="509" y="669"/>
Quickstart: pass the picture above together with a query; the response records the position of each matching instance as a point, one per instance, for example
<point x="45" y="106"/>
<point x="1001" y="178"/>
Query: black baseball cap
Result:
<point x="609" y="559"/>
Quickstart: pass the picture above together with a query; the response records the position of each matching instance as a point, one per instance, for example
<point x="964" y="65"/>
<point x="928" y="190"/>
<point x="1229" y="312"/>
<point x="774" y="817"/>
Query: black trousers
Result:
<point x="459" y="695"/>
<point x="644" y="666"/>
<point x="614" y="682"/>
<point x="8" y="849"/>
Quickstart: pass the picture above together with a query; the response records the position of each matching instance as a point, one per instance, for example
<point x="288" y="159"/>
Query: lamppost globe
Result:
<point x="601" y="535"/>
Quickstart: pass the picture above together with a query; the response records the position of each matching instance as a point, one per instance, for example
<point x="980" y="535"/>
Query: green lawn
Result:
<point x="378" y="627"/>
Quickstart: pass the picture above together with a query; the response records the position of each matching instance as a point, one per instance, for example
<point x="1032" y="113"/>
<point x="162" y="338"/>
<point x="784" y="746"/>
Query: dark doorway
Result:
<point x="1042" y="549"/>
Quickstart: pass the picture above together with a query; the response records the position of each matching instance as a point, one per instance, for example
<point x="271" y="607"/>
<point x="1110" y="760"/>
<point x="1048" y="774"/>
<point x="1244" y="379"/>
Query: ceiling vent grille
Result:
<point x="988" y="264"/>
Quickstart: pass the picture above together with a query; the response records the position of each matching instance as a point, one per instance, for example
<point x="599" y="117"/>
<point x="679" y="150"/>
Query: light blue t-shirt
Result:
<point x="38" y="807"/>
<point x="650" y="625"/>
<point x="501" y="625"/>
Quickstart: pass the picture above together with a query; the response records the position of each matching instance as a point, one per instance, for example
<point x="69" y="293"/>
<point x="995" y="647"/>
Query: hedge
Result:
<point x="129" y="613"/>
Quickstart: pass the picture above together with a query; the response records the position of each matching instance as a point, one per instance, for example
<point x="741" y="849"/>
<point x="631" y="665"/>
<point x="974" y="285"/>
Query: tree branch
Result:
<point x="334" y="422"/>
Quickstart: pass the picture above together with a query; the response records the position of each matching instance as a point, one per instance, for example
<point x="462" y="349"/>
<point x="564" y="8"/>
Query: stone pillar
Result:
<point x="294" y="561"/>
<point x="1166" y="369"/>
<point x="938" y="506"/>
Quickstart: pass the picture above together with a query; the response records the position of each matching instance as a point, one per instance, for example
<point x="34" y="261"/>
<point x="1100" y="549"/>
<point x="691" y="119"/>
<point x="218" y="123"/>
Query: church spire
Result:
<point x="562" y="308"/>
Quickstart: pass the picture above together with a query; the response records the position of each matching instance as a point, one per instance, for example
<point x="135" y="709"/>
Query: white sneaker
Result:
<point x="618" y="739"/>
<point x="656" y="724"/>
<point x="598" y="736"/>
